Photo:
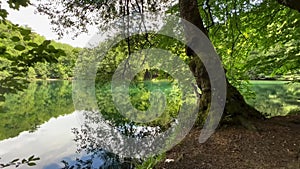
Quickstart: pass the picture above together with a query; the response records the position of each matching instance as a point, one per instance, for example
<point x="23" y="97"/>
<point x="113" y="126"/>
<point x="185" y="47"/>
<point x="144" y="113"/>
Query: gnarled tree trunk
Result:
<point x="236" y="107"/>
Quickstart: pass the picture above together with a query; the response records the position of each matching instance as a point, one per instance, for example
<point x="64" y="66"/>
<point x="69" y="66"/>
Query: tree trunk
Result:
<point x="236" y="107"/>
<point x="293" y="4"/>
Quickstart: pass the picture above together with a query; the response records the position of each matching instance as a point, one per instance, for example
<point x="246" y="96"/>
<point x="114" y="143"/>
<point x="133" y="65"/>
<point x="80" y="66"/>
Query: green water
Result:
<point x="27" y="110"/>
<point x="276" y="98"/>
<point x="41" y="119"/>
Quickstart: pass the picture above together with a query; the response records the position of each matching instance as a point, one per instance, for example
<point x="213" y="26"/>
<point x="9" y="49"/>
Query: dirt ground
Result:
<point x="275" y="145"/>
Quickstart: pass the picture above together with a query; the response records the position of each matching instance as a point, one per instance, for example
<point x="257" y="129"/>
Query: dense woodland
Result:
<point x="249" y="56"/>
<point x="251" y="45"/>
<point x="17" y="41"/>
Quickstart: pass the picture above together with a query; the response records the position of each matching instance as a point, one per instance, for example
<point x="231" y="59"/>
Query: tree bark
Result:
<point x="293" y="4"/>
<point x="236" y="107"/>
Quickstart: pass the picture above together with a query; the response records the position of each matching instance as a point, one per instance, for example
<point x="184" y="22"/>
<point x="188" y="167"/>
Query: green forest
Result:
<point x="46" y="59"/>
<point x="27" y="56"/>
<point x="250" y="48"/>
<point x="257" y="42"/>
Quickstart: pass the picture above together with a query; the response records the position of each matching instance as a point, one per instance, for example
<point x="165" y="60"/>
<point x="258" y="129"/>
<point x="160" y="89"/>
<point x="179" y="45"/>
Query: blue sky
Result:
<point x="41" y="25"/>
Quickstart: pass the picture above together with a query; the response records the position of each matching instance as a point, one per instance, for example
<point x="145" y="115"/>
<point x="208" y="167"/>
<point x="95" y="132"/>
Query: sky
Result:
<point x="41" y="25"/>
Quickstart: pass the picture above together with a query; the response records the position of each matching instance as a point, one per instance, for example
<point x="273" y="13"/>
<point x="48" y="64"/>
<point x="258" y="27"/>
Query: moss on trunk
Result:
<point x="237" y="110"/>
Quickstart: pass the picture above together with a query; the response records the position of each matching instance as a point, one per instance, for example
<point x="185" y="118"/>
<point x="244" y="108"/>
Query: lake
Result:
<point x="275" y="98"/>
<point x="41" y="120"/>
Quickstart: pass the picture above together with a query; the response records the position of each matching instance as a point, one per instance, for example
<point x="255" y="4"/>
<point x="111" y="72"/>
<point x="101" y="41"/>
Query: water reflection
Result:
<point x="97" y="140"/>
<point x="83" y="139"/>
<point x="107" y="134"/>
<point x="52" y="142"/>
<point x="276" y="98"/>
<point x="28" y="109"/>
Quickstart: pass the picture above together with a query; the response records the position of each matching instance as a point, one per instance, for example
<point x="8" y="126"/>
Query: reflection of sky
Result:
<point x="52" y="142"/>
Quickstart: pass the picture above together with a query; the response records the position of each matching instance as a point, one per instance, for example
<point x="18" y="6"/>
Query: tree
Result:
<point x="293" y="4"/>
<point x="207" y="15"/>
<point x="236" y="106"/>
<point x="20" y="49"/>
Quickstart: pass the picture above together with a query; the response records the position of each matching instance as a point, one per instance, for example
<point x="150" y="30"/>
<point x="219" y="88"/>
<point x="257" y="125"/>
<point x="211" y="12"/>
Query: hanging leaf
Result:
<point x="32" y="164"/>
<point x="32" y="44"/>
<point x="2" y="36"/>
<point x="61" y="52"/>
<point x="30" y="158"/>
<point x="2" y="49"/>
<point x="15" y="160"/>
<point x="20" y="47"/>
<point x="26" y="38"/>
<point x="15" y="39"/>
<point x="36" y="158"/>
<point x="3" y="13"/>
<point x="46" y="42"/>
<point x="51" y="49"/>
<point x="25" y="32"/>
<point x="24" y="161"/>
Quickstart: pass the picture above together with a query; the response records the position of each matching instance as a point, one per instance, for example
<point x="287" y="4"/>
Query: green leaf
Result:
<point x="26" y="38"/>
<point x="4" y="165"/>
<point x="30" y="158"/>
<point x="32" y="44"/>
<point x="35" y="159"/>
<point x="46" y="42"/>
<point x="3" y="36"/>
<point x="32" y="164"/>
<point x="51" y="49"/>
<point x="15" y="160"/>
<point x="25" y="32"/>
<point x="3" y="13"/>
<point x="15" y="39"/>
<point x="2" y="49"/>
<point x="20" y="47"/>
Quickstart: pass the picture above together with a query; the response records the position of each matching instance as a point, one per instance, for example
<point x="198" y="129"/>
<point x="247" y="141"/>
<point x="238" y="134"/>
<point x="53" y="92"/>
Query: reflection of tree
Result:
<point x="28" y="109"/>
<point x="276" y="99"/>
<point x="97" y="140"/>
<point x="99" y="159"/>
<point x="107" y="136"/>
<point x="107" y="125"/>
<point x="18" y="162"/>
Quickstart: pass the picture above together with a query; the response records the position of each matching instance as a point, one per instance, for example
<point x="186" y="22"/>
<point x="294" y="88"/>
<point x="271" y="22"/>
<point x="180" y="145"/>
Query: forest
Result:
<point x="256" y="41"/>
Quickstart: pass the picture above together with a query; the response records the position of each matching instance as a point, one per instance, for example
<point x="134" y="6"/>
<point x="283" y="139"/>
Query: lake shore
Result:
<point x="275" y="145"/>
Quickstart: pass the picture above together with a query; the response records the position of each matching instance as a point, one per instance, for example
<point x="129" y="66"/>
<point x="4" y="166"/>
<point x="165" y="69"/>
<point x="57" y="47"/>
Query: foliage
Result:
<point x="252" y="37"/>
<point x="254" y="42"/>
<point x="86" y="13"/>
<point x="31" y="74"/>
<point x="20" y="50"/>
<point x="31" y="161"/>
<point x="110" y="160"/>
<point x="275" y="98"/>
<point x="25" y="55"/>
<point x="150" y="162"/>
<point x="139" y="94"/>
<point x="13" y="4"/>
<point x="25" y="111"/>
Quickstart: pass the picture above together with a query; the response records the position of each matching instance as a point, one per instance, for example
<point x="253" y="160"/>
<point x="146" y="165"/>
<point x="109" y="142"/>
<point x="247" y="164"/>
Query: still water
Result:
<point x="275" y="98"/>
<point x="38" y="122"/>
<point x="41" y="120"/>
